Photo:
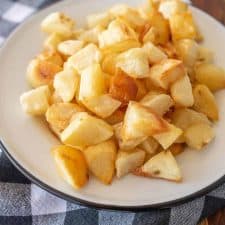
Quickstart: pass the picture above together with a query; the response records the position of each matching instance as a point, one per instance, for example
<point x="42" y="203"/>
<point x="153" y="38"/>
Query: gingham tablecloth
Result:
<point x="24" y="203"/>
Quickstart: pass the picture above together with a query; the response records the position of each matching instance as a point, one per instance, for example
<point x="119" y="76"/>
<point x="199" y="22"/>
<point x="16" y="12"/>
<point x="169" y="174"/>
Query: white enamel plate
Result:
<point x="27" y="141"/>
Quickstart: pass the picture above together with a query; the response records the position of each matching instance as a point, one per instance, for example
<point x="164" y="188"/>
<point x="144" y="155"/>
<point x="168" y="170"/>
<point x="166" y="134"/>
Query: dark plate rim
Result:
<point x="94" y="205"/>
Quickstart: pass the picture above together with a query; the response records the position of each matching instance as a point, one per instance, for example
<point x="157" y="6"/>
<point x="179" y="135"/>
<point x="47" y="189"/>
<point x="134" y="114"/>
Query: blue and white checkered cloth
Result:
<point x="24" y="203"/>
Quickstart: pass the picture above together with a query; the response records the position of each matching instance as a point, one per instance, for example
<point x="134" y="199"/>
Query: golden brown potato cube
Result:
<point x="36" y="102"/>
<point x="126" y="144"/>
<point x="134" y="63"/>
<point x="70" y="47"/>
<point x="58" y="23"/>
<point x="103" y="106"/>
<point x="85" y="57"/>
<point x="166" y="139"/>
<point x="102" y="19"/>
<point x="123" y="87"/>
<point x="183" y="118"/>
<point x="210" y="75"/>
<point x="101" y="160"/>
<point x="170" y="7"/>
<point x="66" y="84"/>
<point x="59" y="115"/>
<point x="205" y="55"/>
<point x="166" y="72"/>
<point x="117" y="32"/>
<point x="205" y="102"/>
<point x="141" y="121"/>
<point x="163" y="166"/>
<point x="92" y="83"/>
<point x="161" y="25"/>
<point x="127" y="162"/>
<point x="142" y="89"/>
<point x="85" y="130"/>
<point x="160" y="103"/>
<point x="155" y="54"/>
<point x="182" y="26"/>
<point x="52" y="41"/>
<point x="71" y="165"/>
<point x="41" y="72"/>
<point x="188" y="51"/>
<point x="198" y="135"/>
<point x="181" y="92"/>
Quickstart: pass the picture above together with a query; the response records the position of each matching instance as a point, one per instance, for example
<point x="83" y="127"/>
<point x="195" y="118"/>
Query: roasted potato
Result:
<point x="166" y="72"/>
<point x="163" y="165"/>
<point x="210" y="75"/>
<point x="116" y="117"/>
<point x="86" y="130"/>
<point x="181" y="92"/>
<point x="101" y="160"/>
<point x="36" y="101"/>
<point x="127" y="162"/>
<point x="134" y="63"/>
<point x="150" y="145"/>
<point x="109" y="63"/>
<point x="141" y="121"/>
<point x="70" y="47"/>
<point x="123" y="88"/>
<point x="102" y="19"/>
<point x="205" y="102"/>
<point x="176" y="149"/>
<point x="198" y="135"/>
<point x="71" y="165"/>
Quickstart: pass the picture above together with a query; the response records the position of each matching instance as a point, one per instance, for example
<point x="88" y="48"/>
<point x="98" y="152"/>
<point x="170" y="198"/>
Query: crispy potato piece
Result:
<point x="210" y="75"/>
<point x="176" y="149"/>
<point x="183" y="118"/>
<point x="205" y="102"/>
<point x="182" y="26"/>
<point x="51" y="56"/>
<point x="58" y="23"/>
<point x="86" y="130"/>
<point x="155" y="54"/>
<point x="198" y="135"/>
<point x="166" y="72"/>
<point x="160" y="103"/>
<point x="169" y="50"/>
<point x="66" y="84"/>
<point x="59" y="115"/>
<point x="101" y="160"/>
<point x="55" y="98"/>
<point x="52" y="41"/>
<point x="188" y="51"/>
<point x="102" y="19"/>
<point x="124" y="144"/>
<point x="150" y="145"/>
<point x="36" y="102"/>
<point x="92" y="83"/>
<point x="116" y="117"/>
<point x="123" y="88"/>
<point x="127" y="162"/>
<point x="130" y="15"/>
<point x="41" y="72"/>
<point x="142" y="89"/>
<point x="91" y="35"/>
<point x="85" y="57"/>
<point x="71" y="165"/>
<point x="166" y="139"/>
<point x="161" y="25"/>
<point x="134" y="63"/>
<point x="181" y="92"/>
<point x="163" y="165"/>
<point x="170" y="7"/>
<point x="141" y="121"/>
<point x="109" y="63"/>
<point x="70" y="47"/>
<point x="152" y="87"/>
<point x="103" y="106"/>
<point x="151" y="34"/>
<point x="118" y="31"/>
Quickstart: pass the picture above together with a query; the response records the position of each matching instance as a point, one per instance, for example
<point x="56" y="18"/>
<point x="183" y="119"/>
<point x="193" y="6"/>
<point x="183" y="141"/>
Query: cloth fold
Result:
<point x="24" y="203"/>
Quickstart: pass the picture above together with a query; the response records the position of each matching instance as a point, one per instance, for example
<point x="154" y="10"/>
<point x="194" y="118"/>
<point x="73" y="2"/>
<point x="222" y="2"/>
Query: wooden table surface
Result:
<point x="216" y="8"/>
